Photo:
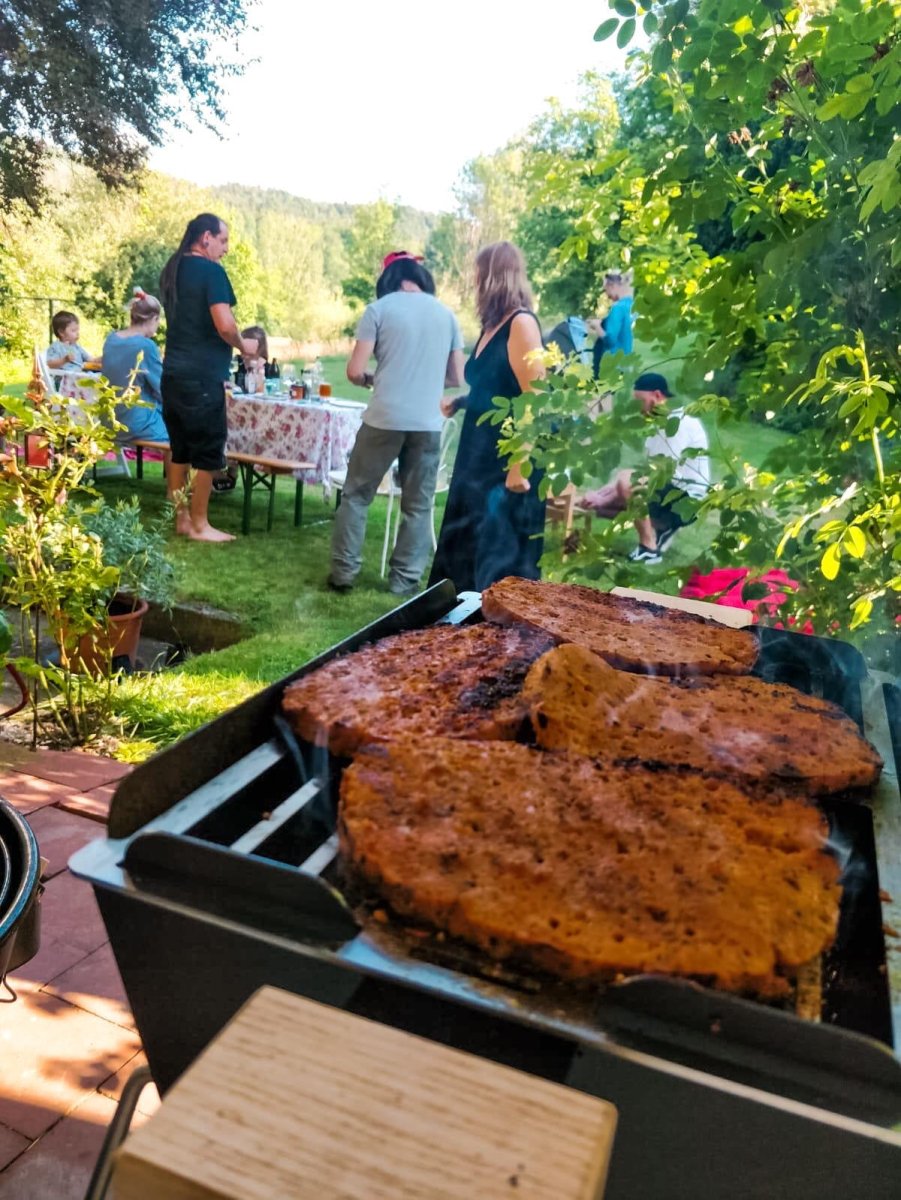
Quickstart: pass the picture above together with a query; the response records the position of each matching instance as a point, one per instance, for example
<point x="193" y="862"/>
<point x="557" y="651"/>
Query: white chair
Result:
<point x="51" y="379"/>
<point x="450" y="436"/>
<point x="388" y="487"/>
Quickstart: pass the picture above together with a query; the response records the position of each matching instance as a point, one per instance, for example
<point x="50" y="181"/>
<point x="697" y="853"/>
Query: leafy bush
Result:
<point x="137" y="551"/>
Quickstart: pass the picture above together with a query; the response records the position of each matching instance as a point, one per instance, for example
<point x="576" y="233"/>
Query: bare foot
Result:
<point x="183" y="524"/>
<point x="207" y="533"/>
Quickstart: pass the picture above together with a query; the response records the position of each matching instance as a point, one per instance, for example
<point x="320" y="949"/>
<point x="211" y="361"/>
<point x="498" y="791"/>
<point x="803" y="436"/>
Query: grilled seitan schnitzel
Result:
<point x="629" y="634"/>
<point x="739" y="727"/>
<point x="443" y="680"/>
<point x="588" y="871"/>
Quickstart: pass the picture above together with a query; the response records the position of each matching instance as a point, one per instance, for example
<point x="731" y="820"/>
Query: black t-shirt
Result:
<point x="194" y="349"/>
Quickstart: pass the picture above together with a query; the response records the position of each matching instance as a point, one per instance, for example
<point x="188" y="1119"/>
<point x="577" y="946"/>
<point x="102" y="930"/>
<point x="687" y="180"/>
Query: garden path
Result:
<point x="68" y="1043"/>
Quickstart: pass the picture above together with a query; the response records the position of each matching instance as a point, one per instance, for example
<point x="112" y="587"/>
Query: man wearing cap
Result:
<point x="418" y="350"/>
<point x="691" y="476"/>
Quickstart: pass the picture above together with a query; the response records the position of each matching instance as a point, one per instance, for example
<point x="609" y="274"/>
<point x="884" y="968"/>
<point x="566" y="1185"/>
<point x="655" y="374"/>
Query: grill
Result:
<point x="219" y="875"/>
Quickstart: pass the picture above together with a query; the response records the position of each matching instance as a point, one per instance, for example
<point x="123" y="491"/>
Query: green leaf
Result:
<point x="650" y="23"/>
<point x="861" y="609"/>
<point x="626" y="33"/>
<point x="854" y="541"/>
<point x="606" y="29"/>
<point x="6" y="636"/>
<point x="860" y="83"/>
<point x="625" y="8"/>
<point x="831" y="108"/>
<point x="829" y="563"/>
<point x="853" y="106"/>
<point x="661" y="57"/>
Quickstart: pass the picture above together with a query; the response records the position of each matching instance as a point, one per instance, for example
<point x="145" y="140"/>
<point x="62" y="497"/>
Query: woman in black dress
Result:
<point x="494" y="519"/>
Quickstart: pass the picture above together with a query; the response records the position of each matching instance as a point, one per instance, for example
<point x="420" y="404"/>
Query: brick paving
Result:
<point x="68" y="1043"/>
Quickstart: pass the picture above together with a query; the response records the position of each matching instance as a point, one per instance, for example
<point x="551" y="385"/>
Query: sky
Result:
<point x="354" y="100"/>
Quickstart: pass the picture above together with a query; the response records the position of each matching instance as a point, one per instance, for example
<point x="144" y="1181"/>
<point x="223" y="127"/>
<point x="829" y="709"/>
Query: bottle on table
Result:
<point x="254" y="380"/>
<point x="306" y="379"/>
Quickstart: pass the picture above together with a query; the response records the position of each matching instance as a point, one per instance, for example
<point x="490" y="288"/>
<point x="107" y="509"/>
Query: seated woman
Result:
<point x="120" y="355"/>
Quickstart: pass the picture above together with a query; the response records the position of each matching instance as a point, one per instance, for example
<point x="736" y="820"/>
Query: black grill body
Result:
<point x="219" y="876"/>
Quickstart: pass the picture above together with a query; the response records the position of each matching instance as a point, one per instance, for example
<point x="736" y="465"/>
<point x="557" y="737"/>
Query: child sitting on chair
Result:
<point x="64" y="353"/>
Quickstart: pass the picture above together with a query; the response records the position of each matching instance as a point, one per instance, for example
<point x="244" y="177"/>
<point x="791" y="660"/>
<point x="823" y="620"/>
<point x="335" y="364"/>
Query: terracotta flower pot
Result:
<point x="124" y="617"/>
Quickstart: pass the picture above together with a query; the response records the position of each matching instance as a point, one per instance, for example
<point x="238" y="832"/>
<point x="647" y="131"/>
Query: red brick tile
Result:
<point x="59" y="835"/>
<point x="11" y="1145"/>
<point x="59" y="1166"/>
<point x="149" y="1101"/>
<point x="27" y="793"/>
<point x="95" y="985"/>
<point x="77" y="771"/>
<point x="93" y="804"/>
<point x="53" y="1056"/>
<point x="71" y="928"/>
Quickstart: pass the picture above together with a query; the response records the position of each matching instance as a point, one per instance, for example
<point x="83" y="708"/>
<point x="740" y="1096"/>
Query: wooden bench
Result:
<point x="255" y="470"/>
<point x="139" y="445"/>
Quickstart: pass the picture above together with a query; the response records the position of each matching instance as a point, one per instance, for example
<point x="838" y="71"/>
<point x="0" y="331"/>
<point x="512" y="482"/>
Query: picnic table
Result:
<point x="296" y="430"/>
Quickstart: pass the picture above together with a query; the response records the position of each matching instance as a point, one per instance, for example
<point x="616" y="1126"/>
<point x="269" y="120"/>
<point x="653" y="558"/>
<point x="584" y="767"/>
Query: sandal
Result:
<point x="225" y="483"/>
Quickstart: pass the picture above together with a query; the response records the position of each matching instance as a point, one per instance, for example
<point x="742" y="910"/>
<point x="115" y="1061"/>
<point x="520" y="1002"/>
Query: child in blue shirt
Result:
<point x="615" y="331"/>
<point x="64" y="353"/>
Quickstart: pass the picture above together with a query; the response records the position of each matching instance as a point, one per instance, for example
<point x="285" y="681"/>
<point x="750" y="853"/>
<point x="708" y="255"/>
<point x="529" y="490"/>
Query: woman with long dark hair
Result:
<point x="200" y="334"/>
<point x="494" y="519"/>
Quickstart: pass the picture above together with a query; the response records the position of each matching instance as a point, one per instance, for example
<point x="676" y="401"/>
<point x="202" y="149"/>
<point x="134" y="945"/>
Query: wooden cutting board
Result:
<point x="295" y="1099"/>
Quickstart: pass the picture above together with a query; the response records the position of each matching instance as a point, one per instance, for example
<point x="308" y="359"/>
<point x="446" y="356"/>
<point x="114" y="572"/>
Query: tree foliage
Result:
<point x="103" y="81"/>
<point x="778" y="122"/>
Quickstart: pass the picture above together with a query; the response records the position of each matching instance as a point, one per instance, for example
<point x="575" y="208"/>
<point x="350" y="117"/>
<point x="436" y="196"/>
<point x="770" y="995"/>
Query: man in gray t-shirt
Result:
<point x="418" y="351"/>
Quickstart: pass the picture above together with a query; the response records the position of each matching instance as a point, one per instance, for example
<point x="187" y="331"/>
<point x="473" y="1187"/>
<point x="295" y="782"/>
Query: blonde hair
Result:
<point x="143" y="307"/>
<point x="501" y="283"/>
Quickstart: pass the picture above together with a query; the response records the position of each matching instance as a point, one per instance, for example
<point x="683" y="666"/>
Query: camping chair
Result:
<point x="51" y="379"/>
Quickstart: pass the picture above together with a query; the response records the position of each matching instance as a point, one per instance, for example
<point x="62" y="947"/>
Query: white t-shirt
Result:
<point x="693" y="475"/>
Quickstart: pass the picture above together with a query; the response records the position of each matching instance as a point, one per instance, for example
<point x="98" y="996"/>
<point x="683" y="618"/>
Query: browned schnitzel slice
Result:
<point x="735" y="726"/>
<point x="589" y="872"/>
<point x="629" y="634"/>
<point x="443" y="680"/>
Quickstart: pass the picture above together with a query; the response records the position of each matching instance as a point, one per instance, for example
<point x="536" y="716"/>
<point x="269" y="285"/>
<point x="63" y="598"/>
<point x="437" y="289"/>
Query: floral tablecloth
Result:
<point x="319" y="433"/>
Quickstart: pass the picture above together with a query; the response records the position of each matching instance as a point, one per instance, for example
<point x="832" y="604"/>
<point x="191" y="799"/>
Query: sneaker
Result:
<point x="665" y="537"/>
<point x="645" y="554"/>
<point x="341" y="588"/>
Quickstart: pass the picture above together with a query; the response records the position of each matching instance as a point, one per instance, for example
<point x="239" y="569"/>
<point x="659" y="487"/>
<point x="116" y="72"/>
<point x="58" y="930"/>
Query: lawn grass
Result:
<point x="275" y="583"/>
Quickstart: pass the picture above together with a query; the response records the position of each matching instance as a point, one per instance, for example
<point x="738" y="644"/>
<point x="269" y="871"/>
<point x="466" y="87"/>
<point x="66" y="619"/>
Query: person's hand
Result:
<point x="516" y="481"/>
<point x="447" y="406"/>
<point x="593" y="325"/>
<point x="249" y="347"/>
<point x="71" y="356"/>
<point x="368" y="379"/>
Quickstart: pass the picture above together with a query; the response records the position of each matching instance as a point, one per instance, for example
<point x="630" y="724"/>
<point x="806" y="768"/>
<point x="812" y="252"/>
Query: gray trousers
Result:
<point x="373" y="453"/>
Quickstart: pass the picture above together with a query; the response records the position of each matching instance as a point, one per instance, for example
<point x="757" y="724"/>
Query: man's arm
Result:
<point x="227" y="328"/>
<point x="453" y="376"/>
<point x="358" y="362"/>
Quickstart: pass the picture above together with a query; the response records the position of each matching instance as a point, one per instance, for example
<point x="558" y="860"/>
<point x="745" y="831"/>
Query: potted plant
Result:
<point x="137" y="553"/>
<point x="51" y="570"/>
